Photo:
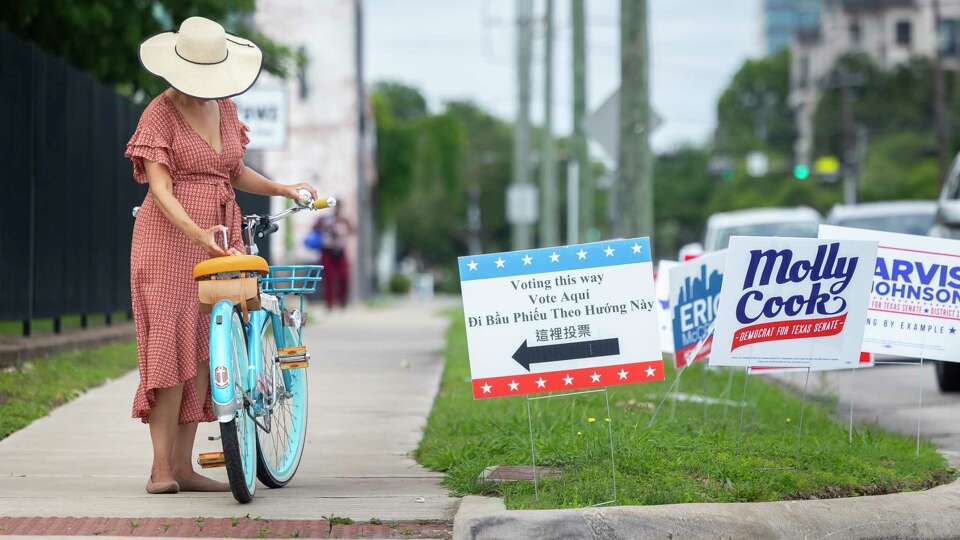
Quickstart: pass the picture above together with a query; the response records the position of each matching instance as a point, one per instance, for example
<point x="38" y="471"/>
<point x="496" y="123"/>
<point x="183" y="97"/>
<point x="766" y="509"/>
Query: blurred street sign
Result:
<point x="757" y="164"/>
<point x="826" y="165"/>
<point x="603" y="125"/>
<point x="264" y="111"/>
<point x="522" y="204"/>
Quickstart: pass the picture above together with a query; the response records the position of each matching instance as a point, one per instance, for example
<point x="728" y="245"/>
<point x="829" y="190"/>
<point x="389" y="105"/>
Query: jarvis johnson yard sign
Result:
<point x="558" y="319"/>
<point x="793" y="302"/>
<point x="915" y="297"/>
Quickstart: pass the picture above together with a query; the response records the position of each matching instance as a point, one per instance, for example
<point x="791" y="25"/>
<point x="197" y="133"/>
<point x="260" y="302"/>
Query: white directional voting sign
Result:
<point x="793" y="302"/>
<point x="915" y="296"/>
<point x="557" y="319"/>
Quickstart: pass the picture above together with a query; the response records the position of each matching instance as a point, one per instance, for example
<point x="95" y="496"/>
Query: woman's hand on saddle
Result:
<point x="209" y="240"/>
<point x="290" y="190"/>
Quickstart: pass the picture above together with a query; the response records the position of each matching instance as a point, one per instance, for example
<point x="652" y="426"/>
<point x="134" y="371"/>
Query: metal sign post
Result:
<point x="609" y="422"/>
<point x="919" y="390"/>
<point x="676" y="380"/>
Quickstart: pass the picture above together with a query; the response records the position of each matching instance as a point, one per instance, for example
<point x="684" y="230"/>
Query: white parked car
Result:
<point x="947" y="225"/>
<point x="908" y="217"/>
<point x="800" y="222"/>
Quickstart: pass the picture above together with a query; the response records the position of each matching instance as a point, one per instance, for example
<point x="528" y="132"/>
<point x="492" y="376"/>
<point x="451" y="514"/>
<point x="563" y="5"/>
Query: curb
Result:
<point x="474" y="508"/>
<point x="934" y="513"/>
<point x="19" y="350"/>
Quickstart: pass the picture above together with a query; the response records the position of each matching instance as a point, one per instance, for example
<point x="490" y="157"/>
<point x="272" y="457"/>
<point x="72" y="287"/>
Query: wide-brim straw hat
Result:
<point x="202" y="60"/>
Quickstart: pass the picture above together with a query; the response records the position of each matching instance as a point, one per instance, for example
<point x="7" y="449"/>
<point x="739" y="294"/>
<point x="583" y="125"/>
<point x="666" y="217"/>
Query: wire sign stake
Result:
<point x="609" y="422"/>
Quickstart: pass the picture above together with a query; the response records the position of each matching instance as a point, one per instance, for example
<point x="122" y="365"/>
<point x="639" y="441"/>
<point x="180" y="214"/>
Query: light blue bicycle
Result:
<point x="258" y="375"/>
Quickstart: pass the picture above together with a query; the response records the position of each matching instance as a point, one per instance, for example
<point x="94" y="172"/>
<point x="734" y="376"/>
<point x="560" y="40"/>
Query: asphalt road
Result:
<point x="890" y="395"/>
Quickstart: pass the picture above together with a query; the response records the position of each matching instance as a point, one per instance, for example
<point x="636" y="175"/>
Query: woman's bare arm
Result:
<point x="251" y="181"/>
<point x="161" y="187"/>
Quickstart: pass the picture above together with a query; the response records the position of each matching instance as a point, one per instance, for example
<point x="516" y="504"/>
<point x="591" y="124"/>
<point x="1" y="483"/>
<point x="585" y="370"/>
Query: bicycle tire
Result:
<point x="243" y="483"/>
<point x="275" y="475"/>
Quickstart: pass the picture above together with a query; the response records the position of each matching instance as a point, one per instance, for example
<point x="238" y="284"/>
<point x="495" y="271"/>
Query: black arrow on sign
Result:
<point x="565" y="351"/>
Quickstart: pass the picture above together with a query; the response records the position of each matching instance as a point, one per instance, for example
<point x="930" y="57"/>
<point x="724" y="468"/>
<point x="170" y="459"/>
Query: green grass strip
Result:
<point x="689" y="455"/>
<point x="33" y="389"/>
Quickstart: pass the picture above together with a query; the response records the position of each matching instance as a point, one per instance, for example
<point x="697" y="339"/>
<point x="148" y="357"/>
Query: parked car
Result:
<point x="947" y="225"/>
<point x="800" y="221"/>
<point x="908" y="217"/>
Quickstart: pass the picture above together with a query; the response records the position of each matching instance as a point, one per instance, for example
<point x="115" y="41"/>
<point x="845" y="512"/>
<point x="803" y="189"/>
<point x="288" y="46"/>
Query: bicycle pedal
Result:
<point x="293" y="357"/>
<point x="209" y="460"/>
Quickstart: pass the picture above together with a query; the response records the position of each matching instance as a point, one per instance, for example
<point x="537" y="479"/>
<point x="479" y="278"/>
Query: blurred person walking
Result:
<point x="334" y="230"/>
<point x="189" y="147"/>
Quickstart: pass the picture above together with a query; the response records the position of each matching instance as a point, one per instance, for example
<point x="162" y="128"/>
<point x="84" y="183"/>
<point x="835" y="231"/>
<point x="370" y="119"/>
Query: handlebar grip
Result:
<point x="272" y="228"/>
<point x="320" y="204"/>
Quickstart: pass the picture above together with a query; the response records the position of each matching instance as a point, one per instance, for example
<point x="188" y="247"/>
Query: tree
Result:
<point x="102" y="37"/>
<point x="753" y="112"/>
<point x="397" y="109"/>
<point x="682" y="190"/>
<point x="895" y="111"/>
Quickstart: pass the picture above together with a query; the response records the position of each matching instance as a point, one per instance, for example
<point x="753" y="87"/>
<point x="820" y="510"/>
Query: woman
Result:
<point x="188" y="147"/>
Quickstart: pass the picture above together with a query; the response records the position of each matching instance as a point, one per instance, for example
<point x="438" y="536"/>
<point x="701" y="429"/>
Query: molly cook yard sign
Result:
<point x="558" y="319"/>
<point x="793" y="302"/>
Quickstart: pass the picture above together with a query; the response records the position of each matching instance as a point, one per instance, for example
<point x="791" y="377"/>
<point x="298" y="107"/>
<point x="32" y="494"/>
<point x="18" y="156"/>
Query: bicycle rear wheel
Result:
<point x="280" y="449"/>
<point x="238" y="435"/>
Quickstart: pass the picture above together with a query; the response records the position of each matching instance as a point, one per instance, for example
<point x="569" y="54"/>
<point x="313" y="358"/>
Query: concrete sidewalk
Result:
<point x="372" y="382"/>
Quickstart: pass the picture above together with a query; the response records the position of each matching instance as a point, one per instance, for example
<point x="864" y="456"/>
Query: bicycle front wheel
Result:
<point x="280" y="446"/>
<point x="238" y="435"/>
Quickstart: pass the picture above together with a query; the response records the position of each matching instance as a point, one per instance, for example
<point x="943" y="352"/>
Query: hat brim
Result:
<point x="234" y="75"/>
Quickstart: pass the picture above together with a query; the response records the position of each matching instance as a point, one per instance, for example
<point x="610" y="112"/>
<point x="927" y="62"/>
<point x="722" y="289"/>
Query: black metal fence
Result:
<point x="66" y="190"/>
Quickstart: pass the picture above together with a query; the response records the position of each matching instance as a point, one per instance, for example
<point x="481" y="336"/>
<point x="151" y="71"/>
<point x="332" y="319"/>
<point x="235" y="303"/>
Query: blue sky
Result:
<point x="465" y="49"/>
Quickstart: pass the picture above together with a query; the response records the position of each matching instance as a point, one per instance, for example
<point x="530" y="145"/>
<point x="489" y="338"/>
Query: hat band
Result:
<point x="182" y="57"/>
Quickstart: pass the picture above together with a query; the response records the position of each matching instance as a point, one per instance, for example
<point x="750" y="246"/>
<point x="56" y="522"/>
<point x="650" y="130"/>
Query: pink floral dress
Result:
<point x="172" y="335"/>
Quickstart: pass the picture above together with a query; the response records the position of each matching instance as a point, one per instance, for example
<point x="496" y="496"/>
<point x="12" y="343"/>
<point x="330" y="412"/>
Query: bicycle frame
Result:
<point x="226" y="400"/>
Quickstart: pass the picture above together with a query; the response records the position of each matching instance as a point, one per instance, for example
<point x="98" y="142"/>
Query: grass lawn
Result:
<point x="31" y="390"/>
<point x="67" y="322"/>
<point x="689" y="455"/>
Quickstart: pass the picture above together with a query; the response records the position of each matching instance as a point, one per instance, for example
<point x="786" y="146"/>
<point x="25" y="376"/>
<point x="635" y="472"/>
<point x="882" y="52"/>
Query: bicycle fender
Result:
<point x="222" y="386"/>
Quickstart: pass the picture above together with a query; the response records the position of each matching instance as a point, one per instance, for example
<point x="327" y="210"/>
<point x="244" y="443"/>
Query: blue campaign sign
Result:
<point x="694" y="293"/>
<point x="564" y="318"/>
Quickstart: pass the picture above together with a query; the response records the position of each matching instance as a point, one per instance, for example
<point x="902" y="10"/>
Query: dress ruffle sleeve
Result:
<point x="151" y="141"/>
<point x="244" y="141"/>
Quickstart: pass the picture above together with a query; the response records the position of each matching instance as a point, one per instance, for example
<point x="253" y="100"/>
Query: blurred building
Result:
<point x="328" y="140"/>
<point x="889" y="32"/>
<point x="783" y="18"/>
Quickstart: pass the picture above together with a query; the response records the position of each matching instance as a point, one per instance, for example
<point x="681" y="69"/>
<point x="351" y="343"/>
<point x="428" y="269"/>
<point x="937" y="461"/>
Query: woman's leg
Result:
<point x="343" y="271"/>
<point x="329" y="278"/>
<point x="163" y="431"/>
<point x="182" y="455"/>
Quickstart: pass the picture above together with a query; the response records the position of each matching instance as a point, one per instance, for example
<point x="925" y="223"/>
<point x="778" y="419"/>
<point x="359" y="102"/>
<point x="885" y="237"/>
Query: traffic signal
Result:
<point x="801" y="171"/>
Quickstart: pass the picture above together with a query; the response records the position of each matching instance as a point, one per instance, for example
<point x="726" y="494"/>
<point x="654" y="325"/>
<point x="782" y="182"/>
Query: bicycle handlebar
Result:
<point x="257" y="227"/>
<point x="321" y="203"/>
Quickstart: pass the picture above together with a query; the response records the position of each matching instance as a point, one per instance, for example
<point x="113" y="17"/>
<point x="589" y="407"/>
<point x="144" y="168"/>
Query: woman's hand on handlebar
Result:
<point x="290" y="191"/>
<point x="208" y="239"/>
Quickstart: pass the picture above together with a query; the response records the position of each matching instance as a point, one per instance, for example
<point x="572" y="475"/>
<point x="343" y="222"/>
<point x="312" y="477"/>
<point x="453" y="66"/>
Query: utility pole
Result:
<point x="579" y="142"/>
<point x="634" y="184"/>
<point x="549" y="229"/>
<point x="364" y="205"/>
<point x="521" y="130"/>
<point x="940" y="119"/>
<point x="851" y="139"/>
